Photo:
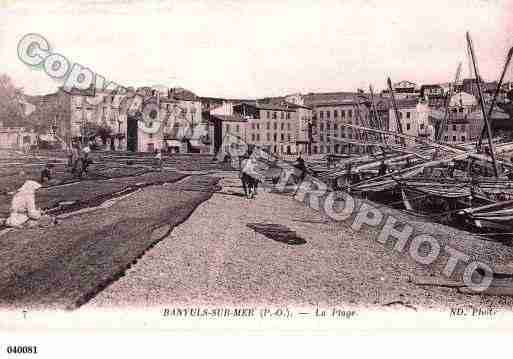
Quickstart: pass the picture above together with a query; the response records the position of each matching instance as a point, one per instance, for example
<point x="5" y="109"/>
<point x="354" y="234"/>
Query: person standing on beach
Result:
<point x="74" y="157"/>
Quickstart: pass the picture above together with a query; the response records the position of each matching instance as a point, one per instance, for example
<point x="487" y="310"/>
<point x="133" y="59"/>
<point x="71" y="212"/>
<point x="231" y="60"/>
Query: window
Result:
<point x="463" y="127"/>
<point x="342" y="133"/>
<point x="342" y="113"/>
<point x="282" y="137"/>
<point x="327" y="114"/>
<point x="288" y="126"/>
<point x="274" y="115"/>
<point x="335" y="113"/>
<point x="461" y="109"/>
<point x="321" y="137"/>
<point x="463" y="138"/>
<point x="268" y="136"/>
<point x="237" y="128"/>
<point x="275" y="126"/>
<point x="282" y="126"/>
<point x="258" y="137"/>
<point x="268" y="114"/>
<point x="227" y="127"/>
<point x="328" y="149"/>
<point x="421" y="126"/>
<point x="288" y="115"/>
<point x="321" y="149"/>
<point x="407" y="114"/>
<point x="275" y="137"/>
<point x="288" y="137"/>
<point x="454" y="138"/>
<point x="328" y="126"/>
<point x="408" y="126"/>
<point x="282" y="115"/>
<point x="322" y="126"/>
<point x="454" y="127"/>
<point x="258" y="126"/>
<point x="315" y="149"/>
<point x="445" y="138"/>
<point x="321" y="115"/>
<point x="349" y="113"/>
<point x="252" y="137"/>
<point x="253" y="126"/>
<point x="268" y="125"/>
<point x="335" y="127"/>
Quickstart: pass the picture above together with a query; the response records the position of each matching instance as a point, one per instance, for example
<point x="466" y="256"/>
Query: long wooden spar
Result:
<point x="442" y="127"/>
<point x="456" y="151"/>
<point x="396" y="111"/>
<point x="380" y="144"/>
<point x="403" y="136"/>
<point x="481" y="102"/>
<point x="496" y="94"/>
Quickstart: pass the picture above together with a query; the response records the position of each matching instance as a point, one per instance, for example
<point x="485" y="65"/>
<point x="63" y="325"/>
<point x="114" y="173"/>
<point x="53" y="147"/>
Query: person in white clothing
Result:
<point x="23" y="205"/>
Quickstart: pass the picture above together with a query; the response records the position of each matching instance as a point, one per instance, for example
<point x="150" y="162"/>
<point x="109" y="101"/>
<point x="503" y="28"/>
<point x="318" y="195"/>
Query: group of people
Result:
<point x="251" y="172"/>
<point x="78" y="158"/>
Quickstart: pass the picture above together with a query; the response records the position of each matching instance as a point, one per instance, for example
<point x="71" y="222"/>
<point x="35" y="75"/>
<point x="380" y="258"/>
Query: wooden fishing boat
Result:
<point x="442" y="195"/>
<point x="496" y="216"/>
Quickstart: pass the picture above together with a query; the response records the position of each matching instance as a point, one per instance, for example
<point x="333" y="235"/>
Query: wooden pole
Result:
<point x="481" y="102"/>
<point x="496" y="94"/>
<point x="396" y="111"/>
<point x="377" y="119"/>
<point x="443" y="125"/>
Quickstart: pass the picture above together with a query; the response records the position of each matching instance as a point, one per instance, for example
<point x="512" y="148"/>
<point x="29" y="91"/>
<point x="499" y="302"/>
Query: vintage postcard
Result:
<point x="254" y="166"/>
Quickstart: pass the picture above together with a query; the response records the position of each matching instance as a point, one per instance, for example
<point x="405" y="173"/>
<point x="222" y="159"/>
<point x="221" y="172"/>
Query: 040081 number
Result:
<point x="21" y="349"/>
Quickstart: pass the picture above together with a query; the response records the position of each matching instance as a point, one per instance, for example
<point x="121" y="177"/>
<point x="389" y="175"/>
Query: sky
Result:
<point x="259" y="48"/>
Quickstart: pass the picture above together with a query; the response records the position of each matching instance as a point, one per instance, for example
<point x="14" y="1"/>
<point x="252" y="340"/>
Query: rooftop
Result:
<point x="229" y="118"/>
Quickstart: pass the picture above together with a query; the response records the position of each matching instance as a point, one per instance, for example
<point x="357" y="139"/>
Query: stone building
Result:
<point x="16" y="138"/>
<point x="330" y="111"/>
<point x="276" y="127"/>
<point x="465" y="118"/>
<point x="152" y="119"/>
<point x="433" y="94"/>
<point x="413" y="118"/>
<point x="403" y="90"/>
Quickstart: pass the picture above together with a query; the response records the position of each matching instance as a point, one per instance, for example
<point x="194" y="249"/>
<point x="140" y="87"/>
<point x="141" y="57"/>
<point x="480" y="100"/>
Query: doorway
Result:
<point x="131" y="134"/>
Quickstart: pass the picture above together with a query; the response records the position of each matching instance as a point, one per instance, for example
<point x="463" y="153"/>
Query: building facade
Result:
<point x="278" y="128"/>
<point x="413" y="119"/>
<point x="153" y="119"/>
<point x="16" y="138"/>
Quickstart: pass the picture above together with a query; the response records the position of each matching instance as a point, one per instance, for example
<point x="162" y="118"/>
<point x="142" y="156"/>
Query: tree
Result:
<point x="11" y="112"/>
<point x="104" y="132"/>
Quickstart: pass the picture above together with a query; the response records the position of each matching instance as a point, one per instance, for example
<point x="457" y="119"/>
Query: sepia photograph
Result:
<point x="248" y="166"/>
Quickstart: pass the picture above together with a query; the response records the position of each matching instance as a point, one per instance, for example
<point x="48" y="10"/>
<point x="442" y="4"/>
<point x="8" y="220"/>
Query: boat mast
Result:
<point x="396" y="111"/>
<point x="496" y="94"/>
<point x="377" y="119"/>
<point x="481" y="102"/>
<point x="443" y="125"/>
